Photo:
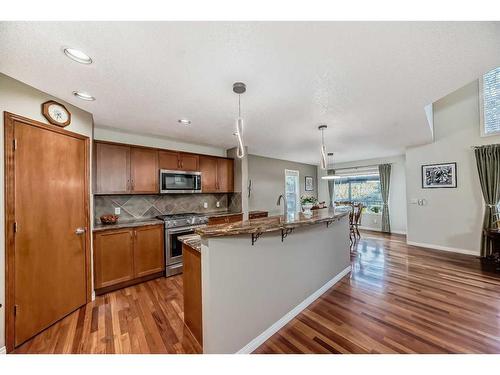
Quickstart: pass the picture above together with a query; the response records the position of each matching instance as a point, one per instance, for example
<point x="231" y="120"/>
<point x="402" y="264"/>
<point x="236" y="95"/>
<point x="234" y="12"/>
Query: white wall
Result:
<point x="452" y="218"/>
<point x="116" y="135"/>
<point x="268" y="180"/>
<point x="24" y="100"/>
<point x="397" y="193"/>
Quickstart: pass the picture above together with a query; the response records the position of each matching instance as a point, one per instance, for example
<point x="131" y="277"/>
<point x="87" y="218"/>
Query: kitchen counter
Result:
<point x="129" y="224"/>
<point x="272" y="223"/>
<point x="221" y="213"/>
<point x="191" y="240"/>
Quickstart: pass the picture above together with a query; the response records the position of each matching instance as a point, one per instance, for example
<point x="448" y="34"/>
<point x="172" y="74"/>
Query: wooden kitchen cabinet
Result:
<point x="123" y="257"/>
<point x="208" y="169"/>
<point x="226" y="219"/>
<point x="148" y="259"/>
<point x="113" y="257"/>
<point x="112" y="169"/>
<point x="225" y="180"/>
<point x="216" y="175"/>
<point x="180" y="161"/>
<point x="144" y="170"/>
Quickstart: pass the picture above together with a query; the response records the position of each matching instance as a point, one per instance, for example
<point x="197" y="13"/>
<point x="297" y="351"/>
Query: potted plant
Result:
<point x="307" y="203"/>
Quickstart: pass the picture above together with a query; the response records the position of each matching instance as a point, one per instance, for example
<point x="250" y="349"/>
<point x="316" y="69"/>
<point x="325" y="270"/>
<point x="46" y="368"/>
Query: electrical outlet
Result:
<point x="118" y="210"/>
<point x="205" y="205"/>
<point x="217" y="204"/>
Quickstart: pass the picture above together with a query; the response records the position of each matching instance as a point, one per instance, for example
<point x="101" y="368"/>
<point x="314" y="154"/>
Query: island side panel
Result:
<point x="246" y="289"/>
<point x="192" y="291"/>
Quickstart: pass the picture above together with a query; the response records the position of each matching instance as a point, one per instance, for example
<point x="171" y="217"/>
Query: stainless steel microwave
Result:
<point x="179" y="182"/>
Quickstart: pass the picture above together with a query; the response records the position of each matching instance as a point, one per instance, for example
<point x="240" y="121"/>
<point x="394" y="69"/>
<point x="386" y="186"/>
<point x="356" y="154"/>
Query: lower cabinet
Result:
<point x="128" y="255"/>
<point x="226" y="219"/>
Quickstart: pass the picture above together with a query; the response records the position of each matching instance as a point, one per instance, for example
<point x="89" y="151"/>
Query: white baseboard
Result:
<point x="444" y="248"/>
<point x="259" y="340"/>
<point x="378" y="230"/>
<point x="3" y="350"/>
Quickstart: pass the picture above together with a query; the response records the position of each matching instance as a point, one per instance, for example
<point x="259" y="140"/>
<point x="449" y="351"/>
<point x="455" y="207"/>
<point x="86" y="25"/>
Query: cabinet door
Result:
<point x="113" y="257"/>
<point x="169" y="160"/>
<point x="149" y="253"/>
<point x="189" y="162"/>
<point x="144" y="170"/>
<point x="234" y="218"/>
<point x="112" y="169"/>
<point x="208" y="169"/>
<point x="225" y="181"/>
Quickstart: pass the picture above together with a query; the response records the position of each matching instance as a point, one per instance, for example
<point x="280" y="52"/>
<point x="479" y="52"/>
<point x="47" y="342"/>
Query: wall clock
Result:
<point x="56" y="113"/>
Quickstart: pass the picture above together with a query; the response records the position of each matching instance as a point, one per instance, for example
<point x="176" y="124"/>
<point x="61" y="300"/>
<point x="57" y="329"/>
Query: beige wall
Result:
<point x="115" y="135"/>
<point x="268" y="180"/>
<point x="26" y="101"/>
<point x="451" y="219"/>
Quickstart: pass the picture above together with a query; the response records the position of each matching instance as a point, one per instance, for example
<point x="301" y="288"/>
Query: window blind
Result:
<point x="491" y="101"/>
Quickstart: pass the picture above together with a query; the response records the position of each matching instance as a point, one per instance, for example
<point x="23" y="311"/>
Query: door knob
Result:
<point x="80" y="231"/>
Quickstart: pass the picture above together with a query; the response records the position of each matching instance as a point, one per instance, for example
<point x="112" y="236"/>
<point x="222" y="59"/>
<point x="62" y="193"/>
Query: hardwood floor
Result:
<point x="144" y="318"/>
<point x="400" y="299"/>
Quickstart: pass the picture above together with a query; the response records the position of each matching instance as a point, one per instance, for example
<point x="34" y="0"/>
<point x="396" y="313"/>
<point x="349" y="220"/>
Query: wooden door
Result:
<point x="144" y="170"/>
<point x="225" y="180"/>
<point x="149" y="253"/>
<point x="112" y="169"/>
<point x="50" y="212"/>
<point x="113" y="257"/>
<point x="169" y="160"/>
<point x="189" y="162"/>
<point x="208" y="169"/>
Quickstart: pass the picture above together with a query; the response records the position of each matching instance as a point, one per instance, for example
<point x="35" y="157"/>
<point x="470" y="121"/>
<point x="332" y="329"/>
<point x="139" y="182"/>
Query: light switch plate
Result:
<point x="118" y="210"/>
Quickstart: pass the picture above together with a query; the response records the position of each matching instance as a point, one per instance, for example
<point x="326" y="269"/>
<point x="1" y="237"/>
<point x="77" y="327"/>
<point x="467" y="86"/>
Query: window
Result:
<point x="490" y="99"/>
<point x="292" y="190"/>
<point x="360" y="189"/>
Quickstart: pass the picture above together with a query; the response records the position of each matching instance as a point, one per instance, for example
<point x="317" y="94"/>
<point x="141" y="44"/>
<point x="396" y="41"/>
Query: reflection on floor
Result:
<point x="399" y="299"/>
<point x="145" y="318"/>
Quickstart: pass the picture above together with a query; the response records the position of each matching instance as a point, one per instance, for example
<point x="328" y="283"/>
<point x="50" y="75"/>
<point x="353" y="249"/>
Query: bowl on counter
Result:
<point x="109" y="219"/>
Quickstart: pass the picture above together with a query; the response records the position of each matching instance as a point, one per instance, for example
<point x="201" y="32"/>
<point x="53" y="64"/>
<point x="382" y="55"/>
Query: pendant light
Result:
<point x="323" y="161"/>
<point x="239" y="88"/>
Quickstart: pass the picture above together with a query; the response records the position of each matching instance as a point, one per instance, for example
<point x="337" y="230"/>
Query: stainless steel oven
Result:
<point x="173" y="248"/>
<point x="179" y="181"/>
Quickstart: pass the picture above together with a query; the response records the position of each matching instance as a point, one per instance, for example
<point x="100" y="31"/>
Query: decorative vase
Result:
<point x="307" y="208"/>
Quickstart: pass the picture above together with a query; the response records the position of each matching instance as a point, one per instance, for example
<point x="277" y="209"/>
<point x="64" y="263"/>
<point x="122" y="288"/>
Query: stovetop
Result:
<point x="183" y="220"/>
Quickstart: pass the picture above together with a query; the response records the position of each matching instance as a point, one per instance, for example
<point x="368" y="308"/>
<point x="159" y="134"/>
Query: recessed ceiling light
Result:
<point x="78" y="56"/>
<point x="184" y="122"/>
<point x="83" y="95"/>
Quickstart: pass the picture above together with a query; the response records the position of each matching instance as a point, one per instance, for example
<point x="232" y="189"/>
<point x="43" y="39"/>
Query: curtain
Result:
<point x="384" y="171"/>
<point x="488" y="168"/>
<point x="331" y="190"/>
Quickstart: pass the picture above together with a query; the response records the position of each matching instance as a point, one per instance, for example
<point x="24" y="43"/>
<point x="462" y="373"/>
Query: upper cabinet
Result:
<point x="126" y="169"/>
<point x="181" y="161"/>
<point x="112" y="168"/>
<point x="121" y="169"/>
<point x="216" y="175"/>
<point x="144" y="170"/>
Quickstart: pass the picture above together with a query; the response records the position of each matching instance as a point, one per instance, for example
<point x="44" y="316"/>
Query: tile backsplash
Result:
<point x="137" y="207"/>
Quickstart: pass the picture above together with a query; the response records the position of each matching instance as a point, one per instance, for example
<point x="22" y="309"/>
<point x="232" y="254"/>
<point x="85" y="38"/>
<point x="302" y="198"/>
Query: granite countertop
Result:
<point x="191" y="240"/>
<point x="129" y="224"/>
<point x="221" y="213"/>
<point x="272" y="223"/>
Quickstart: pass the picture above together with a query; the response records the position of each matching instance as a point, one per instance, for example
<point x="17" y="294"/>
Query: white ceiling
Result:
<point x="369" y="81"/>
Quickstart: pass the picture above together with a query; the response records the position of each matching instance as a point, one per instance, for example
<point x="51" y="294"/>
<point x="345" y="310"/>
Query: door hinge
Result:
<point x="15" y="144"/>
<point x="15" y="226"/>
<point x="16" y="307"/>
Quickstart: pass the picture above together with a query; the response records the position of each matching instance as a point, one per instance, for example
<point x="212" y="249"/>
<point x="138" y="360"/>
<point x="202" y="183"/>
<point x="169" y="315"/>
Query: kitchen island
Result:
<point x="245" y="280"/>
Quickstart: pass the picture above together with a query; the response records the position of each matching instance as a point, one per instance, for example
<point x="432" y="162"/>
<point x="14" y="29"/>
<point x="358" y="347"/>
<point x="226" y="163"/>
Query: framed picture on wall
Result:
<point x="309" y="183"/>
<point x="439" y="176"/>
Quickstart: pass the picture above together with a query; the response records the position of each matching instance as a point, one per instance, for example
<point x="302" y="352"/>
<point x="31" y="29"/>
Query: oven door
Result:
<point x="179" y="181"/>
<point x="173" y="245"/>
